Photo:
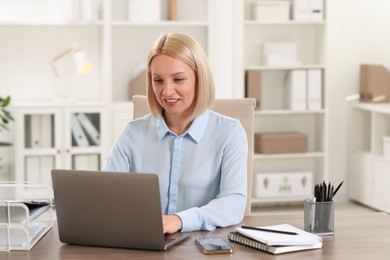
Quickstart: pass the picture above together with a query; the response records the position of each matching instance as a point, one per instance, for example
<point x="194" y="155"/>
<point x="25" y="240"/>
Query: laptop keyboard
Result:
<point x="169" y="239"/>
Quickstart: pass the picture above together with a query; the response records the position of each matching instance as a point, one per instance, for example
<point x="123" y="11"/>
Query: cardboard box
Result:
<point x="280" y="142"/>
<point x="137" y="85"/>
<point x="271" y="11"/>
<point x="374" y="84"/>
<point x="253" y="86"/>
<point x="277" y="185"/>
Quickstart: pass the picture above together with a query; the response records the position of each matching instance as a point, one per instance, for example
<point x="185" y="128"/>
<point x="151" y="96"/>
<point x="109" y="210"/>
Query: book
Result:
<point x="244" y="240"/>
<point x="276" y="239"/>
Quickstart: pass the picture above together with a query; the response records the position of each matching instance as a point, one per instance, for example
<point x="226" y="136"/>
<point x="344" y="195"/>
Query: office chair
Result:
<point x="241" y="109"/>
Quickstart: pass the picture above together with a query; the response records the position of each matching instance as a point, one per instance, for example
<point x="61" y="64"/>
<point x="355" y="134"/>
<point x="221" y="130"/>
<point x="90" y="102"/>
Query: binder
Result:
<point x="296" y="94"/>
<point x="90" y="10"/>
<point x="316" y="10"/>
<point x="33" y="166"/>
<point x="79" y="137"/>
<point x="301" y="10"/>
<point x="62" y="10"/>
<point x="314" y="89"/>
<point x="172" y="10"/>
<point x="38" y="169"/>
<point x="144" y="10"/>
<point x="86" y="162"/>
<point x="35" y="131"/>
<point x="91" y="132"/>
<point x="46" y="133"/>
<point x="46" y="165"/>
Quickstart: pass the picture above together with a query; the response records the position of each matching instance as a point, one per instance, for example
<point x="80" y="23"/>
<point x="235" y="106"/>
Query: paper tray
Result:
<point x="21" y="209"/>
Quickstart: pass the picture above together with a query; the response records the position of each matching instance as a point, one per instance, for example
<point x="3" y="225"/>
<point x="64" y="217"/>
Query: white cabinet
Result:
<point x="276" y="50"/>
<point x="369" y="167"/>
<point x="58" y="136"/>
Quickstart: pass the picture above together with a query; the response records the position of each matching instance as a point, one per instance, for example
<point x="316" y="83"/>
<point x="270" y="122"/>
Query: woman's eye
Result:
<point x="179" y="79"/>
<point x="157" y="81"/>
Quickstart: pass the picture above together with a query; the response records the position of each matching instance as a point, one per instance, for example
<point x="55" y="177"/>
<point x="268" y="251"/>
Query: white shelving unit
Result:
<point x="369" y="168"/>
<point x="310" y="38"/>
<point x="224" y="28"/>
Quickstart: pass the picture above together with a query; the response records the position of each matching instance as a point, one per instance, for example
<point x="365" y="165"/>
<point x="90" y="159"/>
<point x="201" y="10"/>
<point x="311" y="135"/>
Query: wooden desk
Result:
<point x="364" y="236"/>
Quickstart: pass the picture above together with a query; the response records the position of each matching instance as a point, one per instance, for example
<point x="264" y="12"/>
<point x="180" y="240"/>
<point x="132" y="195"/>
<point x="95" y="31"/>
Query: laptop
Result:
<point x="110" y="209"/>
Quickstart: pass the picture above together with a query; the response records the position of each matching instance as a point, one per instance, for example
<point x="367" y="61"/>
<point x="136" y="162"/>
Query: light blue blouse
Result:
<point x="202" y="173"/>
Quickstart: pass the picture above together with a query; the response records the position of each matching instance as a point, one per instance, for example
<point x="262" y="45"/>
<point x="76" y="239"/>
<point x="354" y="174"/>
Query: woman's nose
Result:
<point x="168" y="89"/>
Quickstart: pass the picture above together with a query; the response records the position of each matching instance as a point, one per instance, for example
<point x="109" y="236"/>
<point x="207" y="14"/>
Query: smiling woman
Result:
<point x="173" y="85"/>
<point x="200" y="156"/>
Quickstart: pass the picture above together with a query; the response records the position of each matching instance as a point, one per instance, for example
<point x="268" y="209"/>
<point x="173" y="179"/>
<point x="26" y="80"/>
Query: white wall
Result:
<point x="358" y="32"/>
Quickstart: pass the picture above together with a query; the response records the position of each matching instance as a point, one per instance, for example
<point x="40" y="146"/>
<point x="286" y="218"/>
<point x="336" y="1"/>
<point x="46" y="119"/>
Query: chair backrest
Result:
<point x="241" y="109"/>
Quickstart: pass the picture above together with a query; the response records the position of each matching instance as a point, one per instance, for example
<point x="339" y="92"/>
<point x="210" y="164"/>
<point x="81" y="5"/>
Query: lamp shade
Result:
<point x="82" y="64"/>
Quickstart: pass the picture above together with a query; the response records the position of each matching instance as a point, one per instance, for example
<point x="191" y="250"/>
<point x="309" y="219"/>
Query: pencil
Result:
<point x="270" y="230"/>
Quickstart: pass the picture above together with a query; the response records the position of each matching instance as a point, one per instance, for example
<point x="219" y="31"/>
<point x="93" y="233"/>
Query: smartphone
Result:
<point x="213" y="246"/>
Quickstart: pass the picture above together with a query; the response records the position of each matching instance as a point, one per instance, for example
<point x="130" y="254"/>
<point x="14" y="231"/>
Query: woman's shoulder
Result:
<point x="220" y="118"/>
<point x="140" y="122"/>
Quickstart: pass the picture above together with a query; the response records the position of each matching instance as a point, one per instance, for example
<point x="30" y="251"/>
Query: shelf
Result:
<point x="162" y="24"/>
<point x="281" y="68"/>
<point x="44" y="23"/>
<point x="288" y="156"/>
<point x="255" y="200"/>
<point x="284" y="23"/>
<point x="288" y="112"/>
<point x="379" y="108"/>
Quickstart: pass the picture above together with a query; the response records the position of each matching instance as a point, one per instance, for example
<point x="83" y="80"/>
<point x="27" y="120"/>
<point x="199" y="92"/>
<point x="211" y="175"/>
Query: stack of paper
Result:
<point x="276" y="243"/>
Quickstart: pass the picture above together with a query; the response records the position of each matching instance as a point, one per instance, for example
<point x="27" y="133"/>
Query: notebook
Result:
<point x="110" y="209"/>
<point x="271" y="239"/>
<point x="276" y="243"/>
<point x="244" y="240"/>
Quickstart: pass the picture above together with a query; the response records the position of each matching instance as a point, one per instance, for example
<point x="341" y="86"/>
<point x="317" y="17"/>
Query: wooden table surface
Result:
<point x="363" y="236"/>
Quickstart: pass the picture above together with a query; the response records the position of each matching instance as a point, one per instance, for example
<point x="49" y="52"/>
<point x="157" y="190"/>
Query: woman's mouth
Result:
<point x="171" y="101"/>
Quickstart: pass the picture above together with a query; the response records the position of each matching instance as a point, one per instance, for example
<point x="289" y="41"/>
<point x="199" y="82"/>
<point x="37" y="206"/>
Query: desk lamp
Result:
<point x="82" y="65"/>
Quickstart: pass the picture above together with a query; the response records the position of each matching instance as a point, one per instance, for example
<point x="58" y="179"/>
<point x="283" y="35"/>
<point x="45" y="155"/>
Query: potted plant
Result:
<point x="5" y="117"/>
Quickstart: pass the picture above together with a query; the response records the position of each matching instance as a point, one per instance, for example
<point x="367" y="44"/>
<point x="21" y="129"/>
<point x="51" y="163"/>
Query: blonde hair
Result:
<point x="188" y="51"/>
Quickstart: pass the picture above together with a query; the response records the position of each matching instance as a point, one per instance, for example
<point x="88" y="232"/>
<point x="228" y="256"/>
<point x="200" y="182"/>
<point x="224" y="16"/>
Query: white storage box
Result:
<point x="280" y="54"/>
<point x="22" y="10"/>
<point x="386" y="147"/>
<point x="271" y="11"/>
<point x="288" y="184"/>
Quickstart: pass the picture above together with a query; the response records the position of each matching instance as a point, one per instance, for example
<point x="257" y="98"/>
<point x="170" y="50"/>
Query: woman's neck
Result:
<point x="177" y="124"/>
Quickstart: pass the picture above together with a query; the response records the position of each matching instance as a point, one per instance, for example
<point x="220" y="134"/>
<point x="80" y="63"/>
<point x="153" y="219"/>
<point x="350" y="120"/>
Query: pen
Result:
<point x="270" y="230"/>
<point x="338" y="187"/>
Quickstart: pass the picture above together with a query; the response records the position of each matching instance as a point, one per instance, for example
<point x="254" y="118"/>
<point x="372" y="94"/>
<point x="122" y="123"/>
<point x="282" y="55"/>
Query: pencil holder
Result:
<point x="319" y="217"/>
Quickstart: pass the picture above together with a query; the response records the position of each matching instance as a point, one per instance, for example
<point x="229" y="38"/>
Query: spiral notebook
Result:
<point x="276" y="243"/>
